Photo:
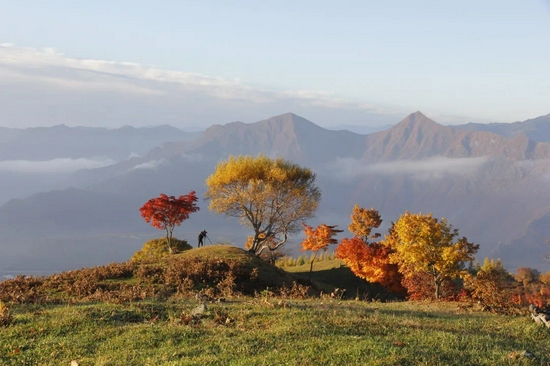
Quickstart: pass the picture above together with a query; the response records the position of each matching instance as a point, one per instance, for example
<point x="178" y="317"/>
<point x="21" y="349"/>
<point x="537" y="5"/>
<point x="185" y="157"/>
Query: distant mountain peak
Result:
<point x="289" y="118"/>
<point x="418" y="119"/>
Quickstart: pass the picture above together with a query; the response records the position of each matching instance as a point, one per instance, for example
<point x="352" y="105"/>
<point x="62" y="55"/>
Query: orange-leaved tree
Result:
<point x="423" y="243"/>
<point x="369" y="260"/>
<point x="318" y="239"/>
<point x="166" y="212"/>
<point x="363" y="221"/>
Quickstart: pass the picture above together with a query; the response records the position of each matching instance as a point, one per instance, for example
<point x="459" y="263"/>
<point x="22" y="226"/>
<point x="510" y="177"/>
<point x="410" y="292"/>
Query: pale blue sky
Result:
<point x="360" y="62"/>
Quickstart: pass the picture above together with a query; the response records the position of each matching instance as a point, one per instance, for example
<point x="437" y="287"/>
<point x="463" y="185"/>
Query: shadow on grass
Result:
<point x="327" y="280"/>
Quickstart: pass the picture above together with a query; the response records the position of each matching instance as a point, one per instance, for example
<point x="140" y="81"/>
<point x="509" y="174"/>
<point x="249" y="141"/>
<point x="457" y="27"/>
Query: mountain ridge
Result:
<point x="472" y="178"/>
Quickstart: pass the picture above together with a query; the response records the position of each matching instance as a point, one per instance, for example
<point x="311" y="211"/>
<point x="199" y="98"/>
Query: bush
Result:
<point x="155" y="249"/>
<point x="493" y="287"/>
<point x="5" y="315"/>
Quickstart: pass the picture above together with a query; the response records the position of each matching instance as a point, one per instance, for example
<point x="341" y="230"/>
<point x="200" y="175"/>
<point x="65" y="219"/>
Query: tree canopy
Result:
<point x="368" y="260"/>
<point x="166" y="212"/>
<point x="423" y="243"/>
<point x="318" y="239"/>
<point x="363" y="221"/>
<point x="271" y="196"/>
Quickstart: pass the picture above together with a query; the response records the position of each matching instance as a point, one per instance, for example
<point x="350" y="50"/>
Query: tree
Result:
<point x="155" y="249"/>
<point x="318" y="239"/>
<point x="371" y="262"/>
<point x="424" y="243"/>
<point x="271" y="196"/>
<point x="545" y="278"/>
<point x="166" y="212"/>
<point x="491" y="286"/>
<point x="269" y="256"/>
<point x="363" y="221"/>
<point x="367" y="260"/>
<point x="525" y="275"/>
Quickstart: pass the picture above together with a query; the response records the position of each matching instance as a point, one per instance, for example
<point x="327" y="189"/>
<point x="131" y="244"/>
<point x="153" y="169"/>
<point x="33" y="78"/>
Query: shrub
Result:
<point x="22" y="290"/>
<point x="493" y="287"/>
<point x="5" y="315"/>
<point x="155" y="249"/>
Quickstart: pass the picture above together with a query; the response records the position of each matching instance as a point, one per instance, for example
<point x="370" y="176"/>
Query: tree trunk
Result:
<point x="169" y="241"/>
<point x="311" y="267"/>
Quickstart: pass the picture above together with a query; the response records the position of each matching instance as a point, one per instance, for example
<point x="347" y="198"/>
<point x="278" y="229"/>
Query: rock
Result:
<point x="199" y="310"/>
<point x="527" y="354"/>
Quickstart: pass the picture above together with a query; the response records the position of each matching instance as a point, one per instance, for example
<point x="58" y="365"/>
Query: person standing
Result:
<point x="201" y="238"/>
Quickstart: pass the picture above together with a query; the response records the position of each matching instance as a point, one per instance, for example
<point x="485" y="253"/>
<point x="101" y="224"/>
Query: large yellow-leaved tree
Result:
<point x="423" y="243"/>
<point x="271" y="196"/>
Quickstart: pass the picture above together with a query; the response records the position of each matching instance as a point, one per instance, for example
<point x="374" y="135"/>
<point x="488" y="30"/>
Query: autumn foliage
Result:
<point x="166" y="212"/>
<point x="423" y="243"/>
<point x="371" y="262"/>
<point x="319" y="239"/>
<point x="492" y="286"/>
<point x="363" y="221"/>
<point x="368" y="260"/>
<point x="271" y="196"/>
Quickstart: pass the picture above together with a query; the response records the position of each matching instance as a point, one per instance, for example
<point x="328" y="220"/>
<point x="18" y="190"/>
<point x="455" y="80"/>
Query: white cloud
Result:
<point x="133" y="155"/>
<point x="61" y="165"/>
<point x="431" y="168"/>
<point x="148" y="165"/>
<point x="45" y="87"/>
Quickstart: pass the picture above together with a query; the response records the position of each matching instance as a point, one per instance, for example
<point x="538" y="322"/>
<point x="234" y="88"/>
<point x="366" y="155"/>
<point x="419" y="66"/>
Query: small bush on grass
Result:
<point x="5" y="315"/>
<point x="156" y="249"/>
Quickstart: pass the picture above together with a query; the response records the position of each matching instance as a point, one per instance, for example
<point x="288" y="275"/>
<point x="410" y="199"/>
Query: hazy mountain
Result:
<point x="43" y="158"/>
<point x="46" y="143"/>
<point x="491" y="187"/>
<point x="360" y="129"/>
<point x="536" y="129"/>
<point x="418" y="137"/>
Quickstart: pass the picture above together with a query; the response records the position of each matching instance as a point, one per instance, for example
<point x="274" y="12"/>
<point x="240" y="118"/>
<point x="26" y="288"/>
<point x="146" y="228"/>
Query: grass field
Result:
<point x="264" y="329"/>
<point x="269" y="331"/>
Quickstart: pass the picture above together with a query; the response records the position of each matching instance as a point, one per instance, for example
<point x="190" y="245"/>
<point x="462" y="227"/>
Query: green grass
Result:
<point x="330" y="274"/>
<point x="269" y="331"/>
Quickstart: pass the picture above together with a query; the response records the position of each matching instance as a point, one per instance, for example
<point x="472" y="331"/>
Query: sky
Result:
<point x="192" y="64"/>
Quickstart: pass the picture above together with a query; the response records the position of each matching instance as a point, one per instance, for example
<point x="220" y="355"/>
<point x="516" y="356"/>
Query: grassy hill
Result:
<point x="252" y="313"/>
<point x="331" y="274"/>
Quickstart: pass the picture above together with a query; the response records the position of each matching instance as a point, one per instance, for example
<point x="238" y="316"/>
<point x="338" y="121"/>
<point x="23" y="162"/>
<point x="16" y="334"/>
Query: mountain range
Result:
<point x="490" y="183"/>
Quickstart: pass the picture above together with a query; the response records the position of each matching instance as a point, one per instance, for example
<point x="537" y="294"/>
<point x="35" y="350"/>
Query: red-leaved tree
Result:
<point x="318" y="239"/>
<point x="166" y="212"/>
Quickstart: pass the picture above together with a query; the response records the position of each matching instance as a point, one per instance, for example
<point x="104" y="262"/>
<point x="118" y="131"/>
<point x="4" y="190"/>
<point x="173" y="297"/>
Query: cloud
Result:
<point x="148" y="165"/>
<point x="61" y="165"/>
<point x="45" y="87"/>
<point x="425" y="169"/>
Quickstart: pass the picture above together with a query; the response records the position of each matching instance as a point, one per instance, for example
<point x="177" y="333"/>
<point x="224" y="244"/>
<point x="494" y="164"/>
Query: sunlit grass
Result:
<point x="271" y="331"/>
